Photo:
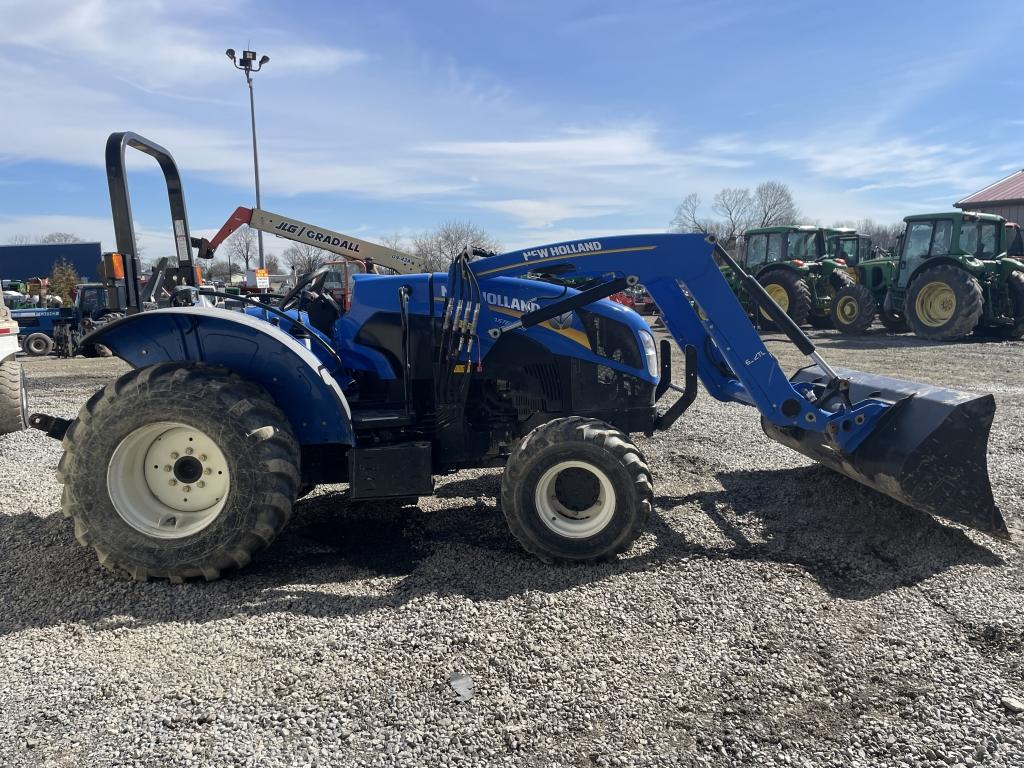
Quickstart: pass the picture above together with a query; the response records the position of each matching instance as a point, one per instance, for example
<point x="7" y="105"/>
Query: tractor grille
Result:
<point x="546" y="376"/>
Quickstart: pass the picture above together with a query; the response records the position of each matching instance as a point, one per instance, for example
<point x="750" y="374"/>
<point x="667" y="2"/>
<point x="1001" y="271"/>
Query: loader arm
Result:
<point x="732" y="360"/>
<point x="292" y="229"/>
<point x="922" y="445"/>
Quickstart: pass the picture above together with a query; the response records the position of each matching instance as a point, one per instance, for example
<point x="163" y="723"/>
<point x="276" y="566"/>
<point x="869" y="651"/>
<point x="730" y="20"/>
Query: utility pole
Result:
<point x="248" y="64"/>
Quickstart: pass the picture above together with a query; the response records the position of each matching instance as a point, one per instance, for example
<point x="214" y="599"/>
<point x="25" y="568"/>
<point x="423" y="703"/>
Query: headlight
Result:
<point x="650" y="352"/>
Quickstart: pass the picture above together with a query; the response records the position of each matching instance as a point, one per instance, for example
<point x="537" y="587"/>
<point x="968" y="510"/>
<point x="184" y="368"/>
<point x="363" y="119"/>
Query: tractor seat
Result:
<point x="322" y="316"/>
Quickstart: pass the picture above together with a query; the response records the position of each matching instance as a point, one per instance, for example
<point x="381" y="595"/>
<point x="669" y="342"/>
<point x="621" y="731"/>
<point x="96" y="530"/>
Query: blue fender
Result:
<point x="298" y="381"/>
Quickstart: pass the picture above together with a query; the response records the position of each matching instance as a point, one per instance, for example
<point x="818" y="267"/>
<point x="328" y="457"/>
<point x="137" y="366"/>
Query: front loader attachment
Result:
<point x="928" y="450"/>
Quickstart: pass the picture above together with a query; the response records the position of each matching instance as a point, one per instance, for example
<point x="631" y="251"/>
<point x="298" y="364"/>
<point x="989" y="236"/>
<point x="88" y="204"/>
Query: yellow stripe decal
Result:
<point x="564" y="257"/>
<point x="570" y="333"/>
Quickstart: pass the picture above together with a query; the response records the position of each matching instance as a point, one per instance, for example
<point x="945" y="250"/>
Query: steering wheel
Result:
<point x="311" y="296"/>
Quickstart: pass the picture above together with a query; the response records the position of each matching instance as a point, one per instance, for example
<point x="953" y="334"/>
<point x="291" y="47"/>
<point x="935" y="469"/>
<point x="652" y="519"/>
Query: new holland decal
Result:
<point x="568" y="249"/>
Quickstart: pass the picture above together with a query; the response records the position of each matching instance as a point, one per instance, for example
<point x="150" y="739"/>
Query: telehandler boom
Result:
<point x="292" y="229"/>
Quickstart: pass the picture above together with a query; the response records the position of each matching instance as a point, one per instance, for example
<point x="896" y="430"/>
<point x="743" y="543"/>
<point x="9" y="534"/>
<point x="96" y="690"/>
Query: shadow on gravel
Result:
<point x="879" y="339"/>
<point x="855" y="542"/>
<point x="339" y="559"/>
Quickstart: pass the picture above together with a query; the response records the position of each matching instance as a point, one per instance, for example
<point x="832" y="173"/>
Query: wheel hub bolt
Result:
<point x="172" y="481"/>
<point x="188" y="451"/>
<point x="187" y="488"/>
<point x="175" y="454"/>
<point x="202" y="457"/>
<point x="167" y="467"/>
<point x="207" y="471"/>
<point x="201" y="484"/>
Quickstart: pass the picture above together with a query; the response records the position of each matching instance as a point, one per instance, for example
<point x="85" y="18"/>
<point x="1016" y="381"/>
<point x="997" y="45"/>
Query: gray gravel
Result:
<point x="774" y="614"/>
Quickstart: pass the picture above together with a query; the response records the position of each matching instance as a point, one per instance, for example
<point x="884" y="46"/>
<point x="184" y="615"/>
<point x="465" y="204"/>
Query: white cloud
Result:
<point x="89" y="228"/>
<point x="451" y="138"/>
<point x="152" y="42"/>
<point x="541" y="213"/>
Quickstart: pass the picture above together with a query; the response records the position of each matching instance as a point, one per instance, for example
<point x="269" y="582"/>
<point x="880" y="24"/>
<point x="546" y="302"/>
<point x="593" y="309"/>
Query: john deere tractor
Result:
<point x="795" y="267"/>
<point x="872" y="272"/>
<point x="959" y="273"/>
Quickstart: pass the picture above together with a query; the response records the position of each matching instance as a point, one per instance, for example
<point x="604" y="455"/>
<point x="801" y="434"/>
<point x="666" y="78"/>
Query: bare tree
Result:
<point x="735" y="206"/>
<point x="686" y="218"/>
<point x="304" y="257"/>
<point x="395" y="242"/>
<point x="242" y="248"/>
<point x="439" y="247"/>
<point x="60" y="237"/>
<point x="272" y="264"/>
<point x="773" y="205"/>
<point x="215" y="269"/>
<point x="20" y="240"/>
<point x="882" y="235"/>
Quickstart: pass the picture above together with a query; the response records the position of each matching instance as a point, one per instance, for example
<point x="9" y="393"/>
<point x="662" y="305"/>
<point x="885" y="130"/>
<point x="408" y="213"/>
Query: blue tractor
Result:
<point x="190" y="464"/>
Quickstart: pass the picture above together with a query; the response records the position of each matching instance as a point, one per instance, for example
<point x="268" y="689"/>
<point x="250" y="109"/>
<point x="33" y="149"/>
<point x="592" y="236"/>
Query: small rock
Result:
<point x="1013" y="705"/>
<point x="462" y="684"/>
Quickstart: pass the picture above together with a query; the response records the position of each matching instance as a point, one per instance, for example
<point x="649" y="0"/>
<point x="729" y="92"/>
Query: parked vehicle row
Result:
<point x="951" y="274"/>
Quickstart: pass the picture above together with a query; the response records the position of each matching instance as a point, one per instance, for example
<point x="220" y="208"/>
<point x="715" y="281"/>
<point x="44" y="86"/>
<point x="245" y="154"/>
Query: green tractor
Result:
<point x="872" y="272"/>
<point x="959" y="273"/>
<point x="798" y="271"/>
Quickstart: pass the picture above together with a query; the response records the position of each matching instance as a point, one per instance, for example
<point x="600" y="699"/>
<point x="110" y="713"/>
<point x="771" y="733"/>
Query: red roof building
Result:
<point x="1005" y="198"/>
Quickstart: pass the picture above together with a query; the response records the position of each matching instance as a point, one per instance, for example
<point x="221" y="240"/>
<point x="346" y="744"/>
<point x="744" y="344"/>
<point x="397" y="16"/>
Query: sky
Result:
<point x="539" y="121"/>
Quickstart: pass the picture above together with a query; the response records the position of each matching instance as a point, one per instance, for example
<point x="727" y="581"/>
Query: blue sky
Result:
<point x="539" y="121"/>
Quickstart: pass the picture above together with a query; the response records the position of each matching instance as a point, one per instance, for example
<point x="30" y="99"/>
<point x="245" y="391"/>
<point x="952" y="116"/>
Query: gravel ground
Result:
<point x="774" y="614"/>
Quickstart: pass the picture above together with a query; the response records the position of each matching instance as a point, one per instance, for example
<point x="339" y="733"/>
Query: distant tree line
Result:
<point x="52" y="237"/>
<point x="771" y="203"/>
<point x="736" y="210"/>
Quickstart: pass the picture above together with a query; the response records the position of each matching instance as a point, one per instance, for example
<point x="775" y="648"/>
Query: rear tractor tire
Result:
<point x="576" y="489"/>
<point x="38" y="345"/>
<point x="944" y="303"/>
<point x="13" y="402"/>
<point x="791" y="292"/>
<point x="853" y="309"/>
<point x="179" y="471"/>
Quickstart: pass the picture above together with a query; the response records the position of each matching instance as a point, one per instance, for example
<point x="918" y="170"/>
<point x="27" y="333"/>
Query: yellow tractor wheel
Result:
<point x="790" y="291"/>
<point x="853" y="308"/>
<point x="944" y="303"/>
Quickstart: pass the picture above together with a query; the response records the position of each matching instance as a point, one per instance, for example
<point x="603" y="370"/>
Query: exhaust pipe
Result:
<point x="928" y="451"/>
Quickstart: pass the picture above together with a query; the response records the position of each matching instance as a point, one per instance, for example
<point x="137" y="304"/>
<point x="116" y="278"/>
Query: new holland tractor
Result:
<point x="797" y="269"/>
<point x="189" y="464"/>
<point x="959" y="273"/>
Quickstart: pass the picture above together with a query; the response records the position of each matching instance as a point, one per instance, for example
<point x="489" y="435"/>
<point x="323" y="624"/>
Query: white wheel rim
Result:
<point x="563" y="515"/>
<point x="168" y="480"/>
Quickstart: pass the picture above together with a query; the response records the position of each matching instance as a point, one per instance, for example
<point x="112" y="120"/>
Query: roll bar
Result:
<point x="121" y="209"/>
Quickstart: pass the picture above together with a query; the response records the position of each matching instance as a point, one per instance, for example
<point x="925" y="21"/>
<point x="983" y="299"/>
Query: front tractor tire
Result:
<point x="576" y="489"/>
<point x="944" y="303"/>
<point x="853" y="309"/>
<point x="791" y="292"/>
<point x="37" y="345"/>
<point x="179" y="471"/>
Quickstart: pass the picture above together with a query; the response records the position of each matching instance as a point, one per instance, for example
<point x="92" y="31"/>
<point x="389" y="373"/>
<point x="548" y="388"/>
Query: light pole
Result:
<point x="248" y="64"/>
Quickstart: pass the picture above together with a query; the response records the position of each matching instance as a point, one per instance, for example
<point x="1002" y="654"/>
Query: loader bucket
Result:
<point x="927" y="451"/>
